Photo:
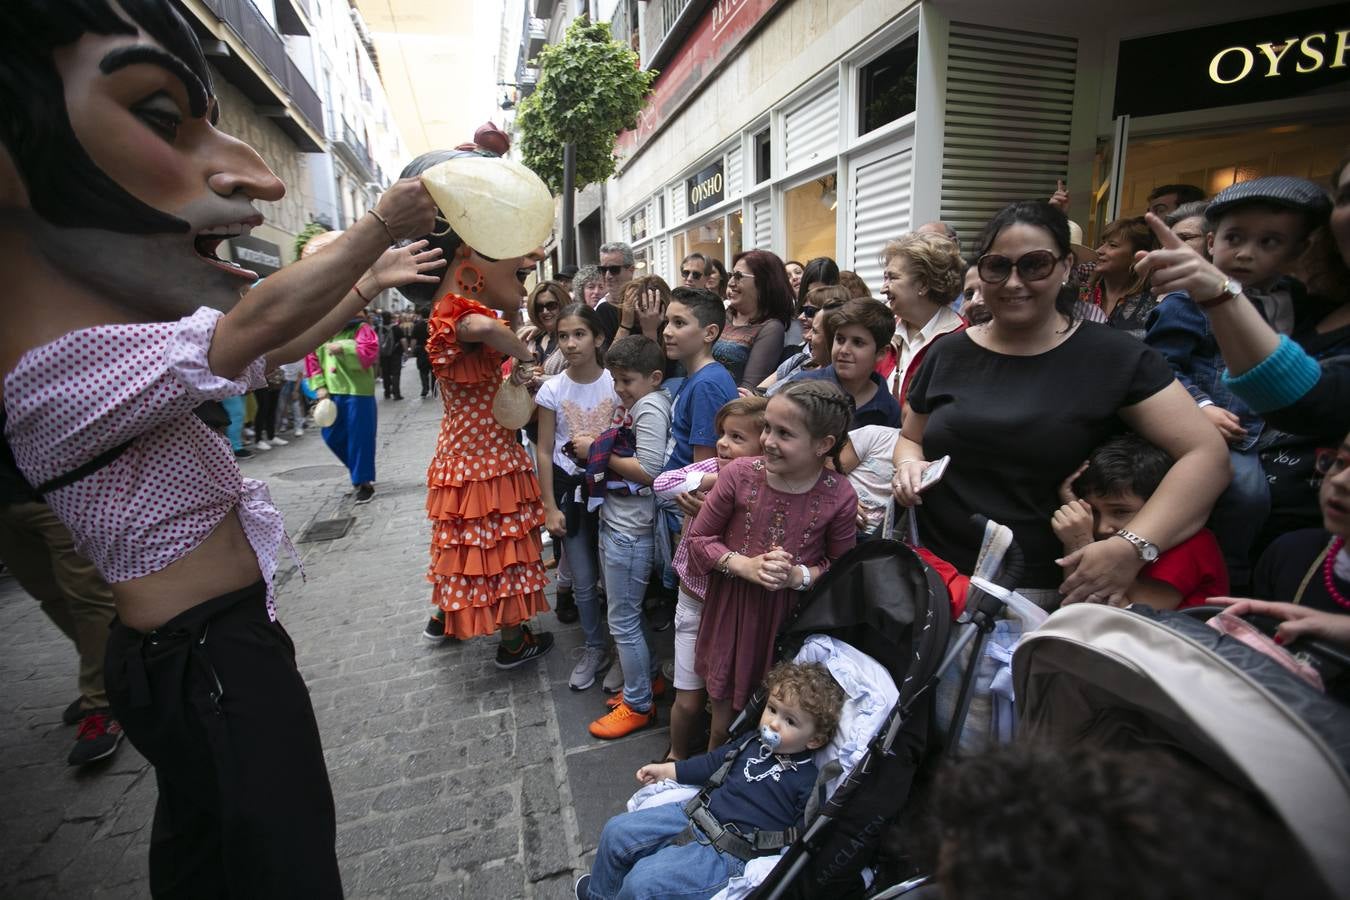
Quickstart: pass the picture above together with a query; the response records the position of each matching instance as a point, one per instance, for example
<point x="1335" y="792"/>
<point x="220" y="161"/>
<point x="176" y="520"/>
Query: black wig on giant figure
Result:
<point x="64" y="185"/>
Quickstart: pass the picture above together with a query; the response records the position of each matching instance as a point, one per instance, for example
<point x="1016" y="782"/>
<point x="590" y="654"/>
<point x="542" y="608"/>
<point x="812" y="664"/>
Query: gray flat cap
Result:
<point x="1281" y="190"/>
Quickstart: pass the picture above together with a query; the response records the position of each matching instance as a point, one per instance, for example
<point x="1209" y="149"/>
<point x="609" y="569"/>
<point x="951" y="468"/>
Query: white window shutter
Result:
<point x="733" y="170"/>
<point x="881" y="191"/>
<point x="763" y="225"/>
<point x="811" y="131"/>
<point x="1008" y="117"/>
<point x="660" y="265"/>
<point x="679" y="204"/>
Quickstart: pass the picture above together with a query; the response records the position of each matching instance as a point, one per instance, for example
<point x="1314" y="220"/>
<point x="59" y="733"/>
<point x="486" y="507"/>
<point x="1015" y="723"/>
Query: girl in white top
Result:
<point x="866" y="460"/>
<point x="575" y="406"/>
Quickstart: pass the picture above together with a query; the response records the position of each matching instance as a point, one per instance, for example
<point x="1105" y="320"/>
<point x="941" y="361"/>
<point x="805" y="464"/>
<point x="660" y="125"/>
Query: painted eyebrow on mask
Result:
<point x="142" y="53"/>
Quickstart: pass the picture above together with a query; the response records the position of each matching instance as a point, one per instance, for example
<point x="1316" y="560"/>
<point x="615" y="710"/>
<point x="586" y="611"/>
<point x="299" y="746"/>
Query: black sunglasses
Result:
<point x="690" y="273"/>
<point x="610" y="270"/>
<point x="994" y="268"/>
<point x="809" y="311"/>
<point x="547" y="307"/>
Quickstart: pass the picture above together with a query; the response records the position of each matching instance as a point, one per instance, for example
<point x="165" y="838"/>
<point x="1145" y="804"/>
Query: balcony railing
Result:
<point x="354" y="149"/>
<point x="670" y="13"/>
<point x="268" y="47"/>
<point x="536" y="36"/>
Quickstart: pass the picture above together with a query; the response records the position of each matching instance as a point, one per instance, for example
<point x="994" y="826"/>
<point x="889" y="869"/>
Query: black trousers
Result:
<point x="265" y="419"/>
<point x="391" y="368"/>
<point x="214" y="701"/>
<point x="424" y="372"/>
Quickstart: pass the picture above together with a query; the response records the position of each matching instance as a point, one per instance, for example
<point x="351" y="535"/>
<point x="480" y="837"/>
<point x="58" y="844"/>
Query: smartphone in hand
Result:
<point x="933" y="474"/>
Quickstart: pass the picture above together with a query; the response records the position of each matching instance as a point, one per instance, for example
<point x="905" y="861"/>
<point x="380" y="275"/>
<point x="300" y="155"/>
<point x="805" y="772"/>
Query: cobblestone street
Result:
<point x="451" y="778"/>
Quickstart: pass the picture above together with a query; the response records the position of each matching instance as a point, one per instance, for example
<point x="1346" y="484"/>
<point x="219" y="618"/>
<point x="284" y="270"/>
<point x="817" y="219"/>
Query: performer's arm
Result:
<point x="299" y="296"/>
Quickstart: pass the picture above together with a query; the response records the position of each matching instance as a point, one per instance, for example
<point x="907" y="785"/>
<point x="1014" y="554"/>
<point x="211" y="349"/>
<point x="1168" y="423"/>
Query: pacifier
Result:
<point x="769" y="737"/>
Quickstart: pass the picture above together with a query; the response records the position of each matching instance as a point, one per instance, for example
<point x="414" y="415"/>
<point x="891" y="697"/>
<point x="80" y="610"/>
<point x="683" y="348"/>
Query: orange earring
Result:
<point x="469" y="278"/>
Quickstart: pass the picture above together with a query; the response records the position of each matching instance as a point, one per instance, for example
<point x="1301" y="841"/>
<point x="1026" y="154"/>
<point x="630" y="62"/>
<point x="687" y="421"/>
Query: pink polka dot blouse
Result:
<point x="93" y="389"/>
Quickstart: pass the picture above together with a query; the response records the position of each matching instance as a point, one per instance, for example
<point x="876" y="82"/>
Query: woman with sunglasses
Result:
<point x="759" y="306"/>
<point x="1018" y="403"/>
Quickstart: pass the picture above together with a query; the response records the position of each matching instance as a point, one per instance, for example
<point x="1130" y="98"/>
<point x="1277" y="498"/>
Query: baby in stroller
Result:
<point x="756" y="792"/>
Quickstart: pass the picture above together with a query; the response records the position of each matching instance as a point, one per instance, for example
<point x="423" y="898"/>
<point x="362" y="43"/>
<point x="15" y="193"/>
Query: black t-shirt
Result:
<point x="1015" y="428"/>
<point x="609" y="319"/>
<point x="1286" y="563"/>
<point x="419" y="337"/>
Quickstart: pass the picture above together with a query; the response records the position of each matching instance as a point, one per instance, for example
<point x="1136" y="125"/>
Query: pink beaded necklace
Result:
<point x="1327" y="579"/>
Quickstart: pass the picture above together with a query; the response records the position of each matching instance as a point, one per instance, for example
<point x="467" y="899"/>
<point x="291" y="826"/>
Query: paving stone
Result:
<point x="546" y="852"/>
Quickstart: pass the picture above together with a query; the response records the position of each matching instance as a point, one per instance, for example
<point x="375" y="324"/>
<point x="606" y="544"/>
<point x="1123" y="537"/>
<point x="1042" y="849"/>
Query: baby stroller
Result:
<point x="880" y="621"/>
<point x="1139" y="678"/>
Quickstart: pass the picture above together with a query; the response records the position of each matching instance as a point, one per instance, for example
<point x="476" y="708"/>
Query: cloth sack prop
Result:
<point x="325" y="413"/>
<point x="512" y="406"/>
<point x="496" y="206"/>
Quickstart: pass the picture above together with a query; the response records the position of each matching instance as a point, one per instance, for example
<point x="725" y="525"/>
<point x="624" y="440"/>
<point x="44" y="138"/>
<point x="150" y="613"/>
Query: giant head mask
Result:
<point x="112" y="167"/>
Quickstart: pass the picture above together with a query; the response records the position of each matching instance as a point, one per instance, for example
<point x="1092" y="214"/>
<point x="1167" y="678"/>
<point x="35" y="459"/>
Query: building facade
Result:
<point x="827" y="127"/>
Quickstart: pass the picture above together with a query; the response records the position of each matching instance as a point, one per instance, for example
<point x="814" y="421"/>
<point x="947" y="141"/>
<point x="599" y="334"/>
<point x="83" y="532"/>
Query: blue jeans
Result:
<point x="628" y="564"/>
<point x="580" y="549"/>
<point x="234" y="408"/>
<point x="1240" y="513"/>
<point x="635" y="859"/>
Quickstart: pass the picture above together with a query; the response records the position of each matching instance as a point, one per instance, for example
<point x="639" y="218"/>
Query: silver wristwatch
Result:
<point x="1147" y="551"/>
<point x="806" y="578"/>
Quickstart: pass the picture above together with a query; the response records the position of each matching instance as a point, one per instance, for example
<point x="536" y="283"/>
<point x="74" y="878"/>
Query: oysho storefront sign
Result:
<point x="1298" y="54"/>
<point x="707" y="188"/>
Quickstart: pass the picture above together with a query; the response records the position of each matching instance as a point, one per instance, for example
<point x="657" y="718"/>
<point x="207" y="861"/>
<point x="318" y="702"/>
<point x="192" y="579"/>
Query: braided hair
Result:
<point x="826" y="409"/>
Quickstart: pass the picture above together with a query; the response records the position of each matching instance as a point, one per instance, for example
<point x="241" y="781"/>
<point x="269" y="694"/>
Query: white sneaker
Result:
<point x="299" y="432"/>
<point x="279" y="442"/>
<point x="591" y="664"/>
<point x="262" y="445"/>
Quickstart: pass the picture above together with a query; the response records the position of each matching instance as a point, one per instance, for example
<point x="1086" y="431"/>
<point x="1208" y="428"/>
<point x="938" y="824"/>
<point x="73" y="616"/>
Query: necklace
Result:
<point x="1327" y="566"/>
<point x="780" y="765"/>
<point x="791" y="488"/>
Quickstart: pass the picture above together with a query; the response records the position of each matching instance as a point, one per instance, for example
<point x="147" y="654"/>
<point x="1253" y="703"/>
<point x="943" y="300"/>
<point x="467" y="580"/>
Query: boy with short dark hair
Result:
<point x="694" y="321"/>
<point x="859" y="333"/>
<point x="1259" y="230"/>
<point x="666" y="851"/>
<point x="1101" y="499"/>
<point x="627" y="523"/>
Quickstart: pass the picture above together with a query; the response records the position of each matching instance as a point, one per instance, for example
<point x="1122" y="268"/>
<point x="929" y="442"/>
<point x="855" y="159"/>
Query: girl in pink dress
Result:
<point x="769" y="529"/>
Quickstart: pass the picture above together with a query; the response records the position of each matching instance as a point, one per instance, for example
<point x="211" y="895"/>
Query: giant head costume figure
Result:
<point x="114" y="180"/>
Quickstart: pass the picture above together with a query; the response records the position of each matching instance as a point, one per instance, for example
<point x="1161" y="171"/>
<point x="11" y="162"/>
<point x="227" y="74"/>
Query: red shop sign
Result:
<point x="720" y="31"/>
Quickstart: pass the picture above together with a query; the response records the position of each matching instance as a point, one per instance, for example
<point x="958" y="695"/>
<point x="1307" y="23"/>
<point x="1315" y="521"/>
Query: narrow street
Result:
<point x="451" y="778"/>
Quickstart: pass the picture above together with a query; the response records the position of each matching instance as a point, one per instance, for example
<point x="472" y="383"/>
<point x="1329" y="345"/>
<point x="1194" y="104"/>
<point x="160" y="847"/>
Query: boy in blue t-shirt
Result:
<point x="694" y="320"/>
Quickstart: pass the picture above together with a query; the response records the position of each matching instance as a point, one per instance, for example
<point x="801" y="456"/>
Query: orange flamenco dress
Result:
<point x="482" y="494"/>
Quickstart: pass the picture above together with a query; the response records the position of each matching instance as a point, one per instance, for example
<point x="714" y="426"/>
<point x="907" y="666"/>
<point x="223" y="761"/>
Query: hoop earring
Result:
<point x="469" y="279"/>
<point x="444" y="231"/>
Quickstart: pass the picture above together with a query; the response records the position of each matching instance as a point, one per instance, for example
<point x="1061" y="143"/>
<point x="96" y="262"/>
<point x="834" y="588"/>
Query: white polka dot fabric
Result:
<point x="93" y="389"/>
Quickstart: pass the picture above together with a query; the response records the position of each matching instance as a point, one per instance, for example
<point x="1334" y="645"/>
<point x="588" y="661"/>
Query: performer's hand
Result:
<point x="334" y="347"/>
<point x="412" y="264"/>
<point x="322" y="393"/>
<point x="408" y="209"/>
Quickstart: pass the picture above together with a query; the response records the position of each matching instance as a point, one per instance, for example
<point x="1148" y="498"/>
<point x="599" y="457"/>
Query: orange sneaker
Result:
<point x="658" y="691"/>
<point x="622" y="720"/>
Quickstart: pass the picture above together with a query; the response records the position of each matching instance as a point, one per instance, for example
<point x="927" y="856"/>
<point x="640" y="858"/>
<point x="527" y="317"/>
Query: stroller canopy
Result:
<point x="1165" y="678"/>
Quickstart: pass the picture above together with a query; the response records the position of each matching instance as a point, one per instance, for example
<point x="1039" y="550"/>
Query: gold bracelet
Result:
<point x="385" y="222"/>
<point x="724" y="564"/>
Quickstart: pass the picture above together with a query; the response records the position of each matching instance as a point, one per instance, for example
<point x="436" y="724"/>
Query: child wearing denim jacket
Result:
<point x="627" y="538"/>
<point x="1257" y="230"/>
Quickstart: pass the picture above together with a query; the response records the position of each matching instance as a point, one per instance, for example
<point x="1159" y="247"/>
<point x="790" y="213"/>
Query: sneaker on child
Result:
<point x="532" y="646"/>
<point x="97" y="739"/>
<point x="279" y="441"/>
<point x="622" y="721"/>
<point x="593" y="661"/>
<point x="262" y="445"/>
<point x="659" y="687"/>
<point x="364" y="493"/>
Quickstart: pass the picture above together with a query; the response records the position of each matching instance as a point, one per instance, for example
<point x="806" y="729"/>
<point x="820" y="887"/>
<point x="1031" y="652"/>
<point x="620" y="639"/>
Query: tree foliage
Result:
<point x="590" y="89"/>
